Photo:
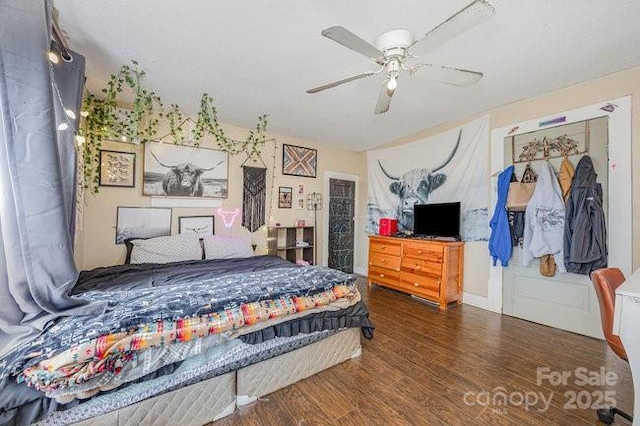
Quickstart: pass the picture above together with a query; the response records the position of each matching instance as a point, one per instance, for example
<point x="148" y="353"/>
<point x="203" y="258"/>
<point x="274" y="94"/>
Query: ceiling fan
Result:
<point x="392" y="50"/>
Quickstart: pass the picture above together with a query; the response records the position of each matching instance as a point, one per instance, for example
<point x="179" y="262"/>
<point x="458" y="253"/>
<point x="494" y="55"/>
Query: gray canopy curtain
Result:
<point x="37" y="180"/>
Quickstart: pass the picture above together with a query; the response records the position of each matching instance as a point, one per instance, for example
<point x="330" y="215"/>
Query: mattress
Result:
<point x="217" y="397"/>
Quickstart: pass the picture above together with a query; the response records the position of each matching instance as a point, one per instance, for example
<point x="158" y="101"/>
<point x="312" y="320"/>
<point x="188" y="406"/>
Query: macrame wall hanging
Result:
<point x="254" y="197"/>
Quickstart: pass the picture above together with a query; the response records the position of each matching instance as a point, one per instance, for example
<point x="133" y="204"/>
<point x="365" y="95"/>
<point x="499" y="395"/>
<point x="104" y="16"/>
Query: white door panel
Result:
<point x="566" y="301"/>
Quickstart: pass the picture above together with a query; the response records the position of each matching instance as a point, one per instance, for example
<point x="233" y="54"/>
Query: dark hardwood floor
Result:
<point x="427" y="367"/>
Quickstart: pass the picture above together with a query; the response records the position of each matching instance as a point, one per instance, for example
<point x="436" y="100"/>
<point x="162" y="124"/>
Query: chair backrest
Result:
<point x="606" y="281"/>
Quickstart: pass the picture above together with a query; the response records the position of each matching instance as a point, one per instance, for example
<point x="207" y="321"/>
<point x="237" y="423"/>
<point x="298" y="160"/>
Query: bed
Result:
<point x="184" y="342"/>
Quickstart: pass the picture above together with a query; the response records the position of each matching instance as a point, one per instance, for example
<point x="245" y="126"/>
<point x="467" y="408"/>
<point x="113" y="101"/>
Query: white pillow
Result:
<point x="216" y="247"/>
<point x="174" y="248"/>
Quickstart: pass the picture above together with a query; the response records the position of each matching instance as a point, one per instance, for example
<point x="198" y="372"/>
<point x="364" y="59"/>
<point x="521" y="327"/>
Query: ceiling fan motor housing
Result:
<point x="394" y="42"/>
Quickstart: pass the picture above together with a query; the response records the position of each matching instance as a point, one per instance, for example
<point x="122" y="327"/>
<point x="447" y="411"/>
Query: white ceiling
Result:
<point x="257" y="56"/>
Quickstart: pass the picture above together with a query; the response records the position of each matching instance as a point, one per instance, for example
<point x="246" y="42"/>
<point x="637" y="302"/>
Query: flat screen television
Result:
<point x="437" y="220"/>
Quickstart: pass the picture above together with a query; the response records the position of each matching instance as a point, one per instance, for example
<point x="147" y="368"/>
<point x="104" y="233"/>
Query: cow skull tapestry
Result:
<point x="184" y="171"/>
<point x="448" y="167"/>
<point x="254" y="197"/>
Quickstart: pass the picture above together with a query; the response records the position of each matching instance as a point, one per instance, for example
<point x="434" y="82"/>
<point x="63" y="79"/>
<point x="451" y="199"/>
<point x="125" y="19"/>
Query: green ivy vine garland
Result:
<point x="105" y="120"/>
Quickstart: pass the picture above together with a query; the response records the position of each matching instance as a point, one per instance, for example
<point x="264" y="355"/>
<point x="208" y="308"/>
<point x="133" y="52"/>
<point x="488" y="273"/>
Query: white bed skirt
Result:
<point x="218" y="397"/>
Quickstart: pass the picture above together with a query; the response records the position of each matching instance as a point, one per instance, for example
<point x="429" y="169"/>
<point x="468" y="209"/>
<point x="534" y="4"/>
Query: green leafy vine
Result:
<point x="139" y="122"/>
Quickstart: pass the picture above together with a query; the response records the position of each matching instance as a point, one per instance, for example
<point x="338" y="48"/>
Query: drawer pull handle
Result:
<point x="420" y="252"/>
<point x="416" y="284"/>
<point x="384" y="261"/>
<point x="381" y="275"/>
<point x="418" y="267"/>
<point x="383" y="247"/>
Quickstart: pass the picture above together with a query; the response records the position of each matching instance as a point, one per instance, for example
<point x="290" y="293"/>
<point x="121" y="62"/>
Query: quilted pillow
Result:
<point x="217" y="247"/>
<point x="174" y="248"/>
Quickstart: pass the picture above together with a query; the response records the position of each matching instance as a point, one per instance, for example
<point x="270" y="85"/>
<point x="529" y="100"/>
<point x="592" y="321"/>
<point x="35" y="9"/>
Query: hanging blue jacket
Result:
<point x="500" y="239"/>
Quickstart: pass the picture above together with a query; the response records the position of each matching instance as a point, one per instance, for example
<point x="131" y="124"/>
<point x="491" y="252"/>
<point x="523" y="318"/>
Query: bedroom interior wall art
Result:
<point x="299" y="161"/>
<point x="254" y="197"/>
<point x="117" y="168"/>
<point x="142" y="222"/>
<point x="285" y="197"/>
<point x="201" y="225"/>
<point x="185" y="171"/>
<point x="448" y="167"/>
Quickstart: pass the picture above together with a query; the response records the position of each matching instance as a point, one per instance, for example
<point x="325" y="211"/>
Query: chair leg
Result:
<point x="606" y="415"/>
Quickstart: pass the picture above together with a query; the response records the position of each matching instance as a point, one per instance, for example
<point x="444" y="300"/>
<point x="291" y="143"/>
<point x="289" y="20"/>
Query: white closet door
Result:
<point x="565" y="301"/>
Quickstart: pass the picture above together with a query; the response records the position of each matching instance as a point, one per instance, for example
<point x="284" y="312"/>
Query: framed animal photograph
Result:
<point x="142" y="222"/>
<point x="285" y="197"/>
<point x="184" y="171"/>
<point x="201" y="225"/>
<point x="299" y="161"/>
<point x="117" y="169"/>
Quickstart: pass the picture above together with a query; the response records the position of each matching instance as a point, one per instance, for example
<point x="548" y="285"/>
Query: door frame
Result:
<point x="620" y="180"/>
<point x="325" y="215"/>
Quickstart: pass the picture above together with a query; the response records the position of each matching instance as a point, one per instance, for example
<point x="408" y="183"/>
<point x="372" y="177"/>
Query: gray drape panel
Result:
<point x="36" y="260"/>
<point x="69" y="80"/>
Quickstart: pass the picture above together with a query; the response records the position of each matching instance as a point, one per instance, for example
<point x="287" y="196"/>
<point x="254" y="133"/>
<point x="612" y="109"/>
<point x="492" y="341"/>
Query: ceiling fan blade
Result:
<point x="339" y="82"/>
<point x="384" y="98"/>
<point x="473" y="14"/>
<point x="348" y="39"/>
<point x="455" y="76"/>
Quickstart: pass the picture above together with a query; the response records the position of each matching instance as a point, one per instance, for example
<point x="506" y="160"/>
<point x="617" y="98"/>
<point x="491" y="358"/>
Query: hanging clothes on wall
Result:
<point x="585" y="234"/>
<point x="500" y="238"/>
<point x="544" y="220"/>
<point x="516" y="221"/>
<point x="566" y="177"/>
<point x="254" y="197"/>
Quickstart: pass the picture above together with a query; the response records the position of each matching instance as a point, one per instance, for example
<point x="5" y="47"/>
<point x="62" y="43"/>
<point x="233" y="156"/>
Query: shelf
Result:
<point x="282" y="242"/>
<point x="294" y="247"/>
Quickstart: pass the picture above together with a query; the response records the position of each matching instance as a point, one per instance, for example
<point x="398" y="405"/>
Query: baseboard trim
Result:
<point x="475" y="300"/>
<point x="362" y="270"/>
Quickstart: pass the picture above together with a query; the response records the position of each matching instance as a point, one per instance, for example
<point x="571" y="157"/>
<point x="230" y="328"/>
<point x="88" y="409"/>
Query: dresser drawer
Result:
<point x="384" y="261"/>
<point x="386" y="247"/>
<point x="421" y="283"/>
<point x="383" y="276"/>
<point x="425" y="251"/>
<point x="421" y="266"/>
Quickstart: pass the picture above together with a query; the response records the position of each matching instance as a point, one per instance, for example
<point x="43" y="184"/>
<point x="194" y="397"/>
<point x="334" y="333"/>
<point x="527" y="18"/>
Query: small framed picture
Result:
<point x="142" y="222"/>
<point x="201" y="225"/>
<point x="285" y="197"/>
<point x="299" y="161"/>
<point x="117" y="169"/>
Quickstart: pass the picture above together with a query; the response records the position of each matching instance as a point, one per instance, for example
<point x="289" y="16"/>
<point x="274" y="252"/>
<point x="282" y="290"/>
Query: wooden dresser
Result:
<point x="429" y="269"/>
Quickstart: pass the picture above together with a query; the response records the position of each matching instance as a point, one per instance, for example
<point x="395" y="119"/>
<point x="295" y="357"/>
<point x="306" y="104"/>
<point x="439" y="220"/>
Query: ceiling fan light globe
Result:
<point x="392" y="84"/>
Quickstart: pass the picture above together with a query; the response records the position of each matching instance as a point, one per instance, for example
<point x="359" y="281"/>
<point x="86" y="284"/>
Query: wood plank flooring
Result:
<point x="426" y="367"/>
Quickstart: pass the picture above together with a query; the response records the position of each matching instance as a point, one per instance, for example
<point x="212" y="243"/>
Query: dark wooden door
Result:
<point x="342" y="203"/>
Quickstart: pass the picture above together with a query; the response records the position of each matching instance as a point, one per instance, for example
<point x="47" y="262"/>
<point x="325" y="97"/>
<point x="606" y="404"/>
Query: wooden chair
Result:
<point x="606" y="281"/>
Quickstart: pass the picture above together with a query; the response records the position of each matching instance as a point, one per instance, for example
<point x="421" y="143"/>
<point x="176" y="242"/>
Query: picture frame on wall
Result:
<point x="285" y="197"/>
<point x="299" y="161"/>
<point x="142" y="222"/>
<point x="185" y="171"/>
<point x="117" y="168"/>
<point x="200" y="225"/>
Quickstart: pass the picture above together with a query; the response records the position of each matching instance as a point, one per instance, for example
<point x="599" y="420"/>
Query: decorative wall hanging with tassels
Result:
<point x="254" y="197"/>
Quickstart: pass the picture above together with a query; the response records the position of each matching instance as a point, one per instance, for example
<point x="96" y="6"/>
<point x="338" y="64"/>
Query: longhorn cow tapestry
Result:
<point x="184" y="171"/>
<point x="448" y="167"/>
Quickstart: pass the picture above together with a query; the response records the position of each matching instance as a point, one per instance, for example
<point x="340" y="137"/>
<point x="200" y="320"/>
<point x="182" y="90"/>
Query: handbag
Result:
<point x="519" y="195"/>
